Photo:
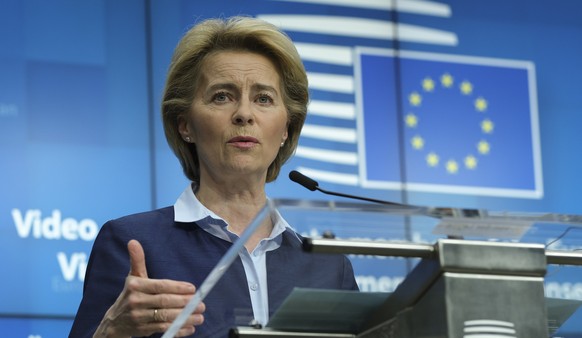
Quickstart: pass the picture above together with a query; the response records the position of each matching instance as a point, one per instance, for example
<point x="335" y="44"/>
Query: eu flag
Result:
<point x="468" y="125"/>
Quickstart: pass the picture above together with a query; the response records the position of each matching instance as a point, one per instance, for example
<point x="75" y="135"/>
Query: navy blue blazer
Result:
<point x="185" y="252"/>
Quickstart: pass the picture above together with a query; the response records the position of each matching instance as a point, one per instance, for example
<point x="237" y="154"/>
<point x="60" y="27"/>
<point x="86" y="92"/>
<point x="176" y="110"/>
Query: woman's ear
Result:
<point x="184" y="128"/>
<point x="285" y="135"/>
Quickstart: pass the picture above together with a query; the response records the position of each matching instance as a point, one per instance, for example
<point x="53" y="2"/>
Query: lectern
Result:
<point x="468" y="288"/>
<point x="481" y="277"/>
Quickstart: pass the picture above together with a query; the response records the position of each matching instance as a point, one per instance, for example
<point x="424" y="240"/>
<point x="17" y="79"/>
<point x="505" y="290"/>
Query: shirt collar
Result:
<point x="188" y="209"/>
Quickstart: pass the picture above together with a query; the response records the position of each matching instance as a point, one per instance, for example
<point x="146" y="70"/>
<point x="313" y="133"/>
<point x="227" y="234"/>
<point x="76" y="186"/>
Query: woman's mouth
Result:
<point x="243" y="142"/>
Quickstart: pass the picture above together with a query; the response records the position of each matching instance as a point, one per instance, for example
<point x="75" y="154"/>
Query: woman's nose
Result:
<point x="243" y="114"/>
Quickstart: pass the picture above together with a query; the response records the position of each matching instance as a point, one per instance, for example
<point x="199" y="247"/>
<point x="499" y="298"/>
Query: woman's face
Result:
<point x="237" y="118"/>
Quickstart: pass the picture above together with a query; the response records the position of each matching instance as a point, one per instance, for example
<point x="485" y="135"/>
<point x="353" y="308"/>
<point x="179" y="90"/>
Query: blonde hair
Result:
<point x="236" y="33"/>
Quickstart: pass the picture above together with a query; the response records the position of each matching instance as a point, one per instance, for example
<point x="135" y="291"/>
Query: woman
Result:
<point x="235" y="102"/>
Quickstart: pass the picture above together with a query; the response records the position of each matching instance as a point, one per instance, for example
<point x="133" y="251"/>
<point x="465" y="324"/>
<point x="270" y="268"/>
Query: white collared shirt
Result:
<point x="189" y="209"/>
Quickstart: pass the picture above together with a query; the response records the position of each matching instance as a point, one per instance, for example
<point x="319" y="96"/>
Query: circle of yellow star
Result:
<point x="466" y="87"/>
<point x="415" y="99"/>
<point x="481" y="104"/>
<point x="432" y="159"/>
<point x="428" y="84"/>
<point x="487" y="126"/>
<point x="452" y="166"/>
<point x="471" y="162"/>
<point x="417" y="142"/>
<point x="447" y="80"/>
<point x="483" y="147"/>
<point x="411" y="120"/>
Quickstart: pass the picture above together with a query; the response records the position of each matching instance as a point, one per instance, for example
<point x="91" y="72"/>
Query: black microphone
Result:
<point x="305" y="181"/>
<point x="312" y="185"/>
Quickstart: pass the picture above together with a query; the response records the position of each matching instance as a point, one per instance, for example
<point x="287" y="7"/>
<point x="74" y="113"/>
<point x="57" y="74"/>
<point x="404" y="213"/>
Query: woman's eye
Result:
<point x="263" y="99"/>
<point x="220" y="97"/>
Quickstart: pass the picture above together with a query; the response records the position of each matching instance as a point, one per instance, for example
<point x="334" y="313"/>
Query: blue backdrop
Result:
<point x="451" y="103"/>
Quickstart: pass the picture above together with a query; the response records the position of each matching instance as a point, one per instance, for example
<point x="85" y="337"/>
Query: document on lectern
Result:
<point x="322" y="310"/>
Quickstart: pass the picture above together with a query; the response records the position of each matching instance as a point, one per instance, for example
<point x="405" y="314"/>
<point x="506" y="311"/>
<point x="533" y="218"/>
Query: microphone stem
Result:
<point x="359" y="197"/>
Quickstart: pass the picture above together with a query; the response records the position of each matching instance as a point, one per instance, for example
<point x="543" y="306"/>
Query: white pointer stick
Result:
<point x="218" y="271"/>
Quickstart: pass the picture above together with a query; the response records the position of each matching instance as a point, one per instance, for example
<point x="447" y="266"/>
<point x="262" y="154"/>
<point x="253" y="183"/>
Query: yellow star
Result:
<point x="415" y="99"/>
<point x="481" y="104"/>
<point x="487" y="126"/>
<point x="483" y="147"/>
<point x="417" y="142"/>
<point x="432" y="159"/>
<point x="470" y="162"/>
<point x="447" y="80"/>
<point x="452" y="167"/>
<point x="466" y="87"/>
<point x="411" y="120"/>
<point x="428" y="84"/>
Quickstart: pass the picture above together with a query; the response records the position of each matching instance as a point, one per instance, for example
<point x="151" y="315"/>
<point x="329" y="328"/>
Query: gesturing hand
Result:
<point x="147" y="306"/>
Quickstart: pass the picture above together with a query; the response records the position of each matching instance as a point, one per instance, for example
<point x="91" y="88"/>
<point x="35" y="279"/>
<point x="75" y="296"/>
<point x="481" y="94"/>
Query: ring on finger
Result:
<point x="157" y="315"/>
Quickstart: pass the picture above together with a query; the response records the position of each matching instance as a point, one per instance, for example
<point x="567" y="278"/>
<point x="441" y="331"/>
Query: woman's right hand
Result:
<point x="147" y="306"/>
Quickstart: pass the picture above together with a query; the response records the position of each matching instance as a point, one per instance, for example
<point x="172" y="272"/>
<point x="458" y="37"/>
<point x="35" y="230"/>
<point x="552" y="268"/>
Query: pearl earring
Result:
<point x="188" y="139"/>
<point x="282" y="144"/>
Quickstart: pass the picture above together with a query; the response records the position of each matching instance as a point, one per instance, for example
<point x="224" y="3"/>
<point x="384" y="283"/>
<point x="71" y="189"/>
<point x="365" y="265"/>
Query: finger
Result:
<point x="200" y="308"/>
<point x="169" y="315"/>
<point x="153" y="316"/>
<point x="166" y="286"/>
<point x="136" y="259"/>
<point x="186" y="331"/>
<point x="161" y="301"/>
<point x="151" y="328"/>
<point x="161" y="321"/>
